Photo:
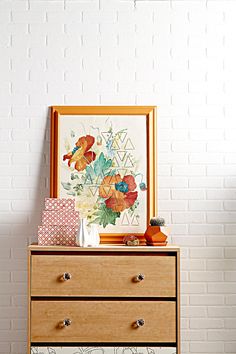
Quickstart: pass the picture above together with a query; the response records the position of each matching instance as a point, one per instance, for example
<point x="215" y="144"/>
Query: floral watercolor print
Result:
<point x="103" y="165"/>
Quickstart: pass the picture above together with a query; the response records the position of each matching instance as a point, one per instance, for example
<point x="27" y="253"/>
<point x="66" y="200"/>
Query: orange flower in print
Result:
<point x="119" y="193"/>
<point x="80" y="155"/>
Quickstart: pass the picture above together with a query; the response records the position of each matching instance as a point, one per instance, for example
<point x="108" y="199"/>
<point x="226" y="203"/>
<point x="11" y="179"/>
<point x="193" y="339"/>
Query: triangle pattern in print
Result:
<point x="125" y="220"/>
<point x="115" y="145"/>
<point x="93" y="190"/>
<point x="129" y="145"/>
<point x="128" y="163"/>
<point x="135" y="220"/>
<point x="106" y="136"/>
<point x="122" y="136"/>
<point x="115" y="162"/>
<point x="121" y="154"/>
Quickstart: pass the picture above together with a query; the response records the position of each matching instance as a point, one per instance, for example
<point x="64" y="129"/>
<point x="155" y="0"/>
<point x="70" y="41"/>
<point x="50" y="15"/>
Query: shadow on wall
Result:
<point x="41" y="189"/>
<point x="19" y="228"/>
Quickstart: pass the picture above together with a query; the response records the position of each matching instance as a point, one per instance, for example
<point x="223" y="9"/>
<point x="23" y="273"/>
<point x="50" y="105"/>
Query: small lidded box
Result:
<point x="60" y="223"/>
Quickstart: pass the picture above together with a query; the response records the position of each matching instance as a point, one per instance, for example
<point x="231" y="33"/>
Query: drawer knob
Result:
<point x="140" y="322"/>
<point x="66" y="322"/>
<point x="66" y="276"/>
<point x="139" y="277"/>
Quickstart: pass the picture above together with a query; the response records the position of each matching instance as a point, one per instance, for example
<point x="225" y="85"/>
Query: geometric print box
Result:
<point x="60" y="204"/>
<point x="57" y="235"/>
<point x="61" y="218"/>
<point x="60" y="223"/>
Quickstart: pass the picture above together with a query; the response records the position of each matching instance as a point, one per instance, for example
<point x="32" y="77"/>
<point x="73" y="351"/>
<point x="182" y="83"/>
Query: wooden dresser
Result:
<point x="109" y="299"/>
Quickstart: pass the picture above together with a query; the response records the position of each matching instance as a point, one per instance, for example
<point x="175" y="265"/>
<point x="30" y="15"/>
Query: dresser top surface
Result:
<point x="106" y="248"/>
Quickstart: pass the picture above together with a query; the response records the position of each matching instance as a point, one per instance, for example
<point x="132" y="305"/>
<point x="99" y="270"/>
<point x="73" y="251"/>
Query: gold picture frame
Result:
<point x="135" y="119"/>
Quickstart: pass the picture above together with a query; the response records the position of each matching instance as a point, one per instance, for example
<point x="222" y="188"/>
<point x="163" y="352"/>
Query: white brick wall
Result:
<point x="178" y="55"/>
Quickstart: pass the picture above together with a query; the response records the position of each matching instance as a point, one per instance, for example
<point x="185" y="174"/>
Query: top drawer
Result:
<point x="103" y="275"/>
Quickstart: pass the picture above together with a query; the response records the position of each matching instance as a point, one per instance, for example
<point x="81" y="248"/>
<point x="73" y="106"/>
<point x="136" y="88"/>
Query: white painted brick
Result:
<point x="221" y="146"/>
<point x="230" y="205"/>
<point x="189" y="146"/>
<point x="219" y="217"/>
<point x="207" y="158"/>
<point x="188" y="217"/>
<point x="164" y="194"/>
<point x="192" y="335"/>
<point x="165" y="147"/>
<point x="230" y="299"/>
<point x="205" y="205"/>
<point x="5" y="182"/>
<point x="219" y="241"/>
<point x="230" y="347"/>
<point x="99" y="17"/>
<point x="230" y="252"/>
<point x="230" y="158"/>
<point x="188" y="170"/>
<point x="206" y="323"/>
<point x="221" y="194"/>
<point x="28" y="16"/>
<point x="192" y="264"/>
<point x="187" y="194"/>
<point x="172" y="205"/>
<point x="206" y="347"/>
<point x="19" y="347"/>
<point x="18" y="218"/>
<point x="205" y="182"/>
<point x="222" y="311"/>
<point x="80" y="5"/>
<point x="224" y="335"/>
<point x="230" y="276"/>
<point x="207" y="300"/>
<point x="186" y="241"/>
<point x="206" y="276"/>
<point x="19" y="276"/>
<point x="207" y="253"/>
<point x="4" y="277"/>
<point x="64" y="16"/>
<point x="5" y="347"/>
<point x="221" y="170"/>
<point x="205" y="229"/>
<point x="178" y="229"/>
<point x="226" y="264"/>
<point x="194" y="311"/>
<point x="14" y="170"/>
<point x="230" y="229"/>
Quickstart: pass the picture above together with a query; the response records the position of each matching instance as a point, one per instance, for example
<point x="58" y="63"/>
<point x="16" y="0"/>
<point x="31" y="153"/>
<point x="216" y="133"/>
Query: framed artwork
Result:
<point x="105" y="158"/>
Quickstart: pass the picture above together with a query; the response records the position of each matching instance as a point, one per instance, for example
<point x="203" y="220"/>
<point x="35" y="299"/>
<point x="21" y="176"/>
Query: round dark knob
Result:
<point x="66" y="322"/>
<point x="66" y="276"/>
<point x="140" y="322"/>
<point x="139" y="277"/>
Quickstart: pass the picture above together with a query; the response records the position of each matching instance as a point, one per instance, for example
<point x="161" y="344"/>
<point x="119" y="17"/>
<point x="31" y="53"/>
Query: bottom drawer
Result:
<point x="103" y="321"/>
<point x="102" y="350"/>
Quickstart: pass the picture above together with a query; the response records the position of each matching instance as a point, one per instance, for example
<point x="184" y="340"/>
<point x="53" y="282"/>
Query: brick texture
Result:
<point x="178" y="55"/>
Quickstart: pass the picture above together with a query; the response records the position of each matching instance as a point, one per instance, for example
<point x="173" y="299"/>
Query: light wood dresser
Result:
<point x="110" y="299"/>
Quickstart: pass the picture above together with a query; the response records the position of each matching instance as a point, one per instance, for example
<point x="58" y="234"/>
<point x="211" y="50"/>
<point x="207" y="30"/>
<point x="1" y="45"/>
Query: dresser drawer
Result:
<point x="103" y="321"/>
<point x="93" y="275"/>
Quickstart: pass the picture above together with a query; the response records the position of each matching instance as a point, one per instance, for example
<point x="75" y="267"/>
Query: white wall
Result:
<point x="178" y="55"/>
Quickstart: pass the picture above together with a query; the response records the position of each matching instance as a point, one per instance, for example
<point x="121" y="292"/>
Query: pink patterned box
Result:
<point x="59" y="204"/>
<point x="57" y="235"/>
<point x="60" y="217"/>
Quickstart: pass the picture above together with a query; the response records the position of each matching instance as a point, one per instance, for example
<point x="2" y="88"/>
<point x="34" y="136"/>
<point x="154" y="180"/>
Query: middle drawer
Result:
<point x="103" y="275"/>
<point x="103" y="321"/>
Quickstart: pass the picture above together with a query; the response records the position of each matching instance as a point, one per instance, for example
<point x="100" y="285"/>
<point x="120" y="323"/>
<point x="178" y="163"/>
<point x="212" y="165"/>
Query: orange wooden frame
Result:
<point x="149" y="112"/>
